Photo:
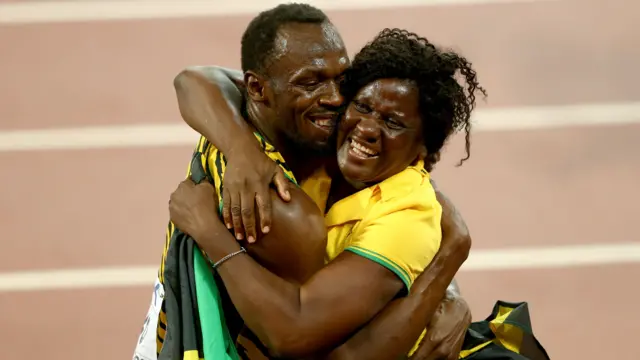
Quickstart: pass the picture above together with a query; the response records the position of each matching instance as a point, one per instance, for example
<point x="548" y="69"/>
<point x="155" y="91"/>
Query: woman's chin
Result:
<point x="355" y="175"/>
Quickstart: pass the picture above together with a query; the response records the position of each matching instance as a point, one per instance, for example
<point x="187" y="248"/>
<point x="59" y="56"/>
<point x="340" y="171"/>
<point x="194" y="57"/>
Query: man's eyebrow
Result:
<point x="309" y="70"/>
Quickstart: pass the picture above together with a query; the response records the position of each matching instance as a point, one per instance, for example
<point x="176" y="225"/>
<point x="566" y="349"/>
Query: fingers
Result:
<point x="226" y="208"/>
<point x="263" y="201"/>
<point x="457" y="345"/>
<point x="454" y="354"/>
<point x="236" y="215"/>
<point x="182" y="186"/>
<point x="424" y="349"/>
<point x="438" y="354"/>
<point x="186" y="183"/>
<point x="448" y="350"/>
<point x="282" y="184"/>
<point x="246" y="187"/>
<point x="247" y="201"/>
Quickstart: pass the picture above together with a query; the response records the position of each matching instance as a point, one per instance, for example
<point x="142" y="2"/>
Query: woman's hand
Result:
<point x="446" y="331"/>
<point x="192" y="209"/>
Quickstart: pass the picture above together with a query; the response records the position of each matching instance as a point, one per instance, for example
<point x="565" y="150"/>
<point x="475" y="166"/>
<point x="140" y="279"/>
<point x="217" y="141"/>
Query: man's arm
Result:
<point x="209" y="99"/>
<point x="209" y="102"/>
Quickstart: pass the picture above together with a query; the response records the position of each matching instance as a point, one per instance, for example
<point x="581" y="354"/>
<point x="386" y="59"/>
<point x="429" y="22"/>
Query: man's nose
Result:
<point x="332" y="97"/>
<point x="368" y="129"/>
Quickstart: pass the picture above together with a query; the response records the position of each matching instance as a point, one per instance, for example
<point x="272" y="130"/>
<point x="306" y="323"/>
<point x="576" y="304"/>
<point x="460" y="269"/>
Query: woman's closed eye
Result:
<point x="393" y="124"/>
<point x="362" y="108"/>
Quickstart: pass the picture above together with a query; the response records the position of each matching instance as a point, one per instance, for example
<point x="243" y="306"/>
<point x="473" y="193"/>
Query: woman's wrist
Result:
<point x="216" y="241"/>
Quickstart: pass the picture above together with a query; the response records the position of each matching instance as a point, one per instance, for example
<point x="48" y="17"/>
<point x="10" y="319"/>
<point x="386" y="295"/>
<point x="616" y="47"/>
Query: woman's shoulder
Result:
<point x="409" y="189"/>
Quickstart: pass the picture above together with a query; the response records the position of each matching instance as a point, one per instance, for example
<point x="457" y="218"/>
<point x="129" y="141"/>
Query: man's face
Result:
<point x="303" y="82"/>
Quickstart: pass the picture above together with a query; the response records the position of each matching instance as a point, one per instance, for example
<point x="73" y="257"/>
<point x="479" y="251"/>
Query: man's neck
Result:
<point x="262" y="124"/>
<point x="302" y="166"/>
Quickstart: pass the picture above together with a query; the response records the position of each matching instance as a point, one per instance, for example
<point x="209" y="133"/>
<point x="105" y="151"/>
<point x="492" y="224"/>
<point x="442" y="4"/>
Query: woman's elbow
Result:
<point x="292" y="338"/>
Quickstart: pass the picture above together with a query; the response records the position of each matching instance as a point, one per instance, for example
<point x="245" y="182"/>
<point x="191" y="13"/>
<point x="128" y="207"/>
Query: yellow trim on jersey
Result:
<point x="191" y="355"/>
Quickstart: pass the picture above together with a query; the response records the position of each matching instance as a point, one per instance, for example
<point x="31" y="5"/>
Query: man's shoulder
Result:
<point x="212" y="158"/>
<point x="317" y="187"/>
<point x="295" y="246"/>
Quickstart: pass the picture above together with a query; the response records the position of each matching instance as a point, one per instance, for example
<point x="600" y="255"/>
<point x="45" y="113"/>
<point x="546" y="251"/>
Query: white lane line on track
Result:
<point x="479" y="260"/>
<point x="68" y="11"/>
<point x="150" y="135"/>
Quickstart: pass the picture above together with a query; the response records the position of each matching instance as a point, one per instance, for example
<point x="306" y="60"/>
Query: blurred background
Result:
<point x="92" y="144"/>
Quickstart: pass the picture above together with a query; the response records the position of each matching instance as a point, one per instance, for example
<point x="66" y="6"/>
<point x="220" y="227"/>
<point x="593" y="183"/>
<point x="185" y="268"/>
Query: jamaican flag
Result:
<point x="197" y="320"/>
<point x="505" y="335"/>
<point x="192" y="303"/>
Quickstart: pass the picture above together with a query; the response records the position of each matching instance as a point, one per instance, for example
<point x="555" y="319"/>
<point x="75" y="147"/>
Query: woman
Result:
<point x="404" y="103"/>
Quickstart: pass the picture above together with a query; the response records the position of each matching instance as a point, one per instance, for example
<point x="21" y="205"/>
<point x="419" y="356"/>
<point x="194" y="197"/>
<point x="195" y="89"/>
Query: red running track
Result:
<point x="522" y="188"/>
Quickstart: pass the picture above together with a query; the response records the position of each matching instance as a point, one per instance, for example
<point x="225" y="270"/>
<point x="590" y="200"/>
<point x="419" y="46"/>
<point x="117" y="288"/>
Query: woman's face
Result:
<point x="381" y="132"/>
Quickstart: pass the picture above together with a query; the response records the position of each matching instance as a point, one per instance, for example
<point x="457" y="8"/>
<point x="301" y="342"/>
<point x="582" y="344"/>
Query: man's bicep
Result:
<point x="295" y="246"/>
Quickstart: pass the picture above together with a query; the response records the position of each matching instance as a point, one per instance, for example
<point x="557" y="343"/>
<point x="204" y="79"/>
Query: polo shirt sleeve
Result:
<point x="404" y="241"/>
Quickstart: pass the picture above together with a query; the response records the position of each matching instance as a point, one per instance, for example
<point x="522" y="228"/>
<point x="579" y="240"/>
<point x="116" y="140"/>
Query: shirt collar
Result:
<point x="356" y="206"/>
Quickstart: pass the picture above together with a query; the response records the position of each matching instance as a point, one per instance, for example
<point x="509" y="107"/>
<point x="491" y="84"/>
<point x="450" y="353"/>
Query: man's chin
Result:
<point x="317" y="146"/>
<point x="320" y="148"/>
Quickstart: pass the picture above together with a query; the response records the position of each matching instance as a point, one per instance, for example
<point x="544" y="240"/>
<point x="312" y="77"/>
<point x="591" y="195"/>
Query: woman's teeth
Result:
<point x="362" y="150"/>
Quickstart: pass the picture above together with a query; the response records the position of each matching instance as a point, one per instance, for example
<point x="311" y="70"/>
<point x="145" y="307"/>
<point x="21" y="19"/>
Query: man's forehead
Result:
<point x="308" y="39"/>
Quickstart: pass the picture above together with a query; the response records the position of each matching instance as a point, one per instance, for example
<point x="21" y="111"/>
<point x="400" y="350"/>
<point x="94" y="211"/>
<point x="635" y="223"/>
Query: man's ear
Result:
<point x="255" y="86"/>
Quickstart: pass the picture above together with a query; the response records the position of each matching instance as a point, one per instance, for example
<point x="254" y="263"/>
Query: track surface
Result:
<point x="533" y="187"/>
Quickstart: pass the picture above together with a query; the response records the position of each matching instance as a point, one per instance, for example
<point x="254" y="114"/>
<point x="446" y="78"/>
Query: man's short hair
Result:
<point x="258" y="40"/>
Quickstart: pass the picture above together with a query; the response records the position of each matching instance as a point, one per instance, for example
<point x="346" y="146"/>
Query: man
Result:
<point x="295" y="68"/>
<point x="301" y="37"/>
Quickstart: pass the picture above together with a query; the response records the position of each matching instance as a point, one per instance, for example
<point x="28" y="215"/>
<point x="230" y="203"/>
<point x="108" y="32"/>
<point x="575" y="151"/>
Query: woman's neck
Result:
<point x="340" y="187"/>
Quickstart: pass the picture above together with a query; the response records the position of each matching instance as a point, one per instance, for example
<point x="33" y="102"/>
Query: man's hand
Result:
<point x="446" y="331"/>
<point x="192" y="208"/>
<point x="248" y="176"/>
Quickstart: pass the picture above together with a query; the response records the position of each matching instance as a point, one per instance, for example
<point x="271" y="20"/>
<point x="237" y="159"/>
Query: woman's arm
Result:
<point x="209" y="100"/>
<point x="394" y="331"/>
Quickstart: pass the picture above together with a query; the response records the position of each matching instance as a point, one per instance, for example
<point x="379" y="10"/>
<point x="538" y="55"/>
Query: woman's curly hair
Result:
<point x="445" y="104"/>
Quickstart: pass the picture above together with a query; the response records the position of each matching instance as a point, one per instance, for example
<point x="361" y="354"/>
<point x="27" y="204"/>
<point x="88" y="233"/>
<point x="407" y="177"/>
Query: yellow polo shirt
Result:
<point x="395" y="223"/>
